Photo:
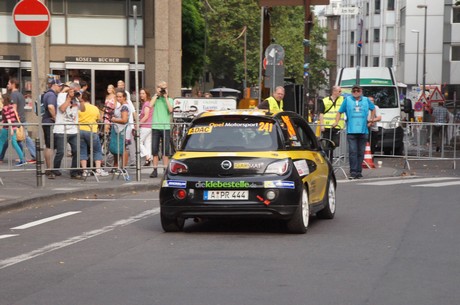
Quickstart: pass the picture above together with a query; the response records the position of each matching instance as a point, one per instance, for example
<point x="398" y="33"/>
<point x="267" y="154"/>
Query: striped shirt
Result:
<point x="9" y="114"/>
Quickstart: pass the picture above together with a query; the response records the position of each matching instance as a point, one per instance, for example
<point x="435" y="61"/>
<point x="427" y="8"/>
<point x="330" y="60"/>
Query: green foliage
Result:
<point x="319" y="66"/>
<point x="193" y="31"/>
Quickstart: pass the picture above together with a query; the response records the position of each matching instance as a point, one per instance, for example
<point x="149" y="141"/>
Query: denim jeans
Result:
<point x="59" y="143"/>
<point x="29" y="143"/>
<point x="86" y="137"/>
<point x="356" y="147"/>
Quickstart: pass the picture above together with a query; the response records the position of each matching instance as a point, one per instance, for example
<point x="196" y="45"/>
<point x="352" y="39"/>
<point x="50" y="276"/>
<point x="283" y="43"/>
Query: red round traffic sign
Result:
<point x="31" y="17"/>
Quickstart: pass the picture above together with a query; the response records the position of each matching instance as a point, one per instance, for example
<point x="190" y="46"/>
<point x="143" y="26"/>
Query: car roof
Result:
<point x="261" y="113"/>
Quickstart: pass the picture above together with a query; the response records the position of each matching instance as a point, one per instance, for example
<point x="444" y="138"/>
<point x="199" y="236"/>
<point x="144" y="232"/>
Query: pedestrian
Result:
<point x="10" y="116"/>
<point x="66" y="127"/>
<point x="48" y="119"/>
<point x="120" y="120"/>
<point x="109" y="107"/>
<point x="129" y="130"/>
<point x="145" y="121"/>
<point x="328" y="109"/>
<point x="162" y="108"/>
<point x="19" y="102"/>
<point x="357" y="108"/>
<point x="275" y="102"/>
<point x="373" y="128"/>
<point x="89" y="139"/>
<point x="440" y="117"/>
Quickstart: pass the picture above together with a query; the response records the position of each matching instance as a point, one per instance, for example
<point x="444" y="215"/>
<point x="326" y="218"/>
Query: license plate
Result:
<point x="226" y="195"/>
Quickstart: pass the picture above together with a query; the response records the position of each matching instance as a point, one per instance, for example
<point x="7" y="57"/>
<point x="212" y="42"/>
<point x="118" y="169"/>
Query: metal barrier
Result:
<point x="421" y="141"/>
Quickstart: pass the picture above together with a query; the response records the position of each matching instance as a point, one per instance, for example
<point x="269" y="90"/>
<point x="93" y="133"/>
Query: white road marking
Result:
<point x="73" y="240"/>
<point x="406" y="180"/>
<point x="44" y="220"/>
<point x="440" y="184"/>
<point x="8" y="236"/>
<point x="25" y="17"/>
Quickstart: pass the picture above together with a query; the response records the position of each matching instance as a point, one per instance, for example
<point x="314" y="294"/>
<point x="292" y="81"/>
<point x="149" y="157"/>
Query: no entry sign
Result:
<point x="31" y="17"/>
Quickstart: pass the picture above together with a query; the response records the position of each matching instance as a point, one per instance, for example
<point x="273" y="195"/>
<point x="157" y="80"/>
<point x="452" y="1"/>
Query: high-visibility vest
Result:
<point x="329" y="117"/>
<point x="273" y="104"/>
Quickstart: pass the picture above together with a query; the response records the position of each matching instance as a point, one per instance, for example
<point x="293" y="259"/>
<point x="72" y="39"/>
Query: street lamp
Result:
<point x="424" y="47"/>
<point x="416" y="64"/>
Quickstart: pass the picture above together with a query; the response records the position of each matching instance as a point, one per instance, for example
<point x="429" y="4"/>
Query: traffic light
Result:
<point x="306" y="42"/>
<point x="306" y="65"/>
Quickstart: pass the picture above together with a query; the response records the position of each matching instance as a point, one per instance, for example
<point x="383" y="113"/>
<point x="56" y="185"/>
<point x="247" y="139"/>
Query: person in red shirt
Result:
<point x="9" y="116"/>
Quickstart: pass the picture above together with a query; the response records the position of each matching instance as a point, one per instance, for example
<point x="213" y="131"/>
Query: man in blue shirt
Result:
<point x="356" y="107"/>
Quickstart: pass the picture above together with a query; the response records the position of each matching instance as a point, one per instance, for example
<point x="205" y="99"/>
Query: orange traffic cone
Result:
<point x="368" y="158"/>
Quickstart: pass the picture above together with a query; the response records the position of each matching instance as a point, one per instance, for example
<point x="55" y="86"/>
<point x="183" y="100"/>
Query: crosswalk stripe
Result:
<point x="440" y="184"/>
<point x="406" y="181"/>
<point x="8" y="236"/>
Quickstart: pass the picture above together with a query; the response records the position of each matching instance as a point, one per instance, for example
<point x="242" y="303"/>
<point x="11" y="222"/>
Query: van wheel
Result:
<point x="298" y="224"/>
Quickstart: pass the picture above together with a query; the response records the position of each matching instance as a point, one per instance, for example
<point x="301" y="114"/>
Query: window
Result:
<point x="377" y="6"/>
<point x="391" y="5"/>
<point x="375" y="61"/>
<point x="352" y="61"/>
<point x="403" y="17"/>
<point x="94" y="8"/>
<point x="57" y="7"/>
<point x="367" y="36"/>
<point x="366" y="61"/>
<point x="390" y="33"/>
<point x="456" y="14"/>
<point x="352" y="36"/>
<point x="389" y="62"/>
<point x="367" y="8"/>
<point x="376" y="35"/>
<point x="7" y="6"/>
<point x="455" y="53"/>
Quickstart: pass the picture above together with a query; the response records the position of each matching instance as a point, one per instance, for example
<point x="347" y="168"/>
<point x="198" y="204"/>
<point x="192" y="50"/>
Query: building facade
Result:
<point x="389" y="31"/>
<point x="94" y="41"/>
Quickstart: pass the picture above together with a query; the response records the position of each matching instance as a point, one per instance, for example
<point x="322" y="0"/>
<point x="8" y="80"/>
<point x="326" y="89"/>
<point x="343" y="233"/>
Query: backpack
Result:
<point x="41" y="106"/>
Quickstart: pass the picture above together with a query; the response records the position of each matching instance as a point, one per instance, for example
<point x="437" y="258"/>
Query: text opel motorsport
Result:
<point x="248" y="163"/>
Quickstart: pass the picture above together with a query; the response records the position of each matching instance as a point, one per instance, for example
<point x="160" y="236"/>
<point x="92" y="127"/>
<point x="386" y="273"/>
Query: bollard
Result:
<point x="39" y="164"/>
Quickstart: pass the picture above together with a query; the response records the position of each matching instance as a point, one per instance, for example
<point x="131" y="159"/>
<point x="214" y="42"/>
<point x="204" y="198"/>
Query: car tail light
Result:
<point x="278" y="167"/>
<point x="176" y="167"/>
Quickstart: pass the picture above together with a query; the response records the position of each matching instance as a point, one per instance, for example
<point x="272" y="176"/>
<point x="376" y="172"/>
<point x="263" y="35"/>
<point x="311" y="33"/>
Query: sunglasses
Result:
<point x="356" y="90"/>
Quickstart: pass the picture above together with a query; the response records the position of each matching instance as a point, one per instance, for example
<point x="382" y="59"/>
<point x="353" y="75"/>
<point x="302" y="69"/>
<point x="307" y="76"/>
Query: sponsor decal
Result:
<point x="248" y="165"/>
<point x="265" y="127"/>
<point x="224" y="184"/>
<point x="234" y="124"/>
<point x="301" y="167"/>
<point x="201" y="129"/>
<point x="175" y="183"/>
<point x="279" y="184"/>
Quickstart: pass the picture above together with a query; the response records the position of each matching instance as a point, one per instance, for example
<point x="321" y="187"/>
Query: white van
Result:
<point x="381" y="84"/>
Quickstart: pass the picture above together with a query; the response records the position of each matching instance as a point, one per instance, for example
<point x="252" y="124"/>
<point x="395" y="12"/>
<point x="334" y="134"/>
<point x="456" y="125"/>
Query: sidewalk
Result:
<point x="20" y="189"/>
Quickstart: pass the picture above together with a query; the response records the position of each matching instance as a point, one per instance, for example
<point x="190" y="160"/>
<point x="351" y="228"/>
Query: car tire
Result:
<point x="328" y="212"/>
<point x="298" y="224"/>
<point x="172" y="224"/>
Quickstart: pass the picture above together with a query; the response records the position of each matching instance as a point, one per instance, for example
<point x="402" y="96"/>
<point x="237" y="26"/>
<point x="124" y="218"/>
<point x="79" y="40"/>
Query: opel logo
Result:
<point x="226" y="164"/>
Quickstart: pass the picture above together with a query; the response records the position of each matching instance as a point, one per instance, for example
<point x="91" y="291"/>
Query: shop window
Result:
<point x="455" y="53"/>
<point x="5" y="74"/>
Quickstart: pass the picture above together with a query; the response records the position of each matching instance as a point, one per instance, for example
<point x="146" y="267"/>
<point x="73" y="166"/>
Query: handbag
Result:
<point x="20" y="133"/>
<point x="117" y="141"/>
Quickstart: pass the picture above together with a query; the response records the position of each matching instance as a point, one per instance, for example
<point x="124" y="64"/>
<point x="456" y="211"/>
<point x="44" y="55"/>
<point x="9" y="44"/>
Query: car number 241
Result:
<point x="226" y="195"/>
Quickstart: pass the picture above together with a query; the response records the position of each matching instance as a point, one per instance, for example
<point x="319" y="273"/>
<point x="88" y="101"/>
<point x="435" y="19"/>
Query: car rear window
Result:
<point x="232" y="135"/>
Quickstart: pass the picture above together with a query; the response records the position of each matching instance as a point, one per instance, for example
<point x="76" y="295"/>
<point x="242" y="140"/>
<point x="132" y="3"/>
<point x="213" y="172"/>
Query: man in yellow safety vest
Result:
<point x="274" y="103"/>
<point x="327" y="114"/>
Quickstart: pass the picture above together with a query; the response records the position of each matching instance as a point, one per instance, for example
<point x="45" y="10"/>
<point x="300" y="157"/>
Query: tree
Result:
<point x="193" y="31"/>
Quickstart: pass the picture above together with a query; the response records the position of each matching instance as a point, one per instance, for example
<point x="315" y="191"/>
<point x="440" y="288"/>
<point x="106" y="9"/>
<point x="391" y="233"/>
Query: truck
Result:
<point x="380" y="83"/>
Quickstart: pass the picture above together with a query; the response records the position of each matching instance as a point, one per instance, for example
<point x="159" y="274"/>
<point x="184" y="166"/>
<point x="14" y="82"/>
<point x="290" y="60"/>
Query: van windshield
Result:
<point x="385" y="97"/>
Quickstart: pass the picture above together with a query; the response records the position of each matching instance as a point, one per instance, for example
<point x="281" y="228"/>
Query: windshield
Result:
<point x="249" y="134"/>
<point x="385" y="97"/>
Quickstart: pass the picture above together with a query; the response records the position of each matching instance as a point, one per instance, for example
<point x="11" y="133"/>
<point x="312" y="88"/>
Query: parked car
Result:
<point x="248" y="163"/>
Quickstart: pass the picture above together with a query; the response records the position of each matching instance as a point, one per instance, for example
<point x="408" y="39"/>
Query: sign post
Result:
<point x="32" y="18"/>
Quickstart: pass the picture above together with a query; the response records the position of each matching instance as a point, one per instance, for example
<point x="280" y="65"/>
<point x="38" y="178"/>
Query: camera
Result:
<point x="77" y="94"/>
<point x="163" y="91"/>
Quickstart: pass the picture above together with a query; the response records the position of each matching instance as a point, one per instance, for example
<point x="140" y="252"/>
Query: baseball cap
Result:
<point x="55" y="82"/>
<point x="356" y="87"/>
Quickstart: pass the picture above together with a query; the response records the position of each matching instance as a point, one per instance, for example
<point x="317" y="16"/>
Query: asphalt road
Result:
<point x="393" y="241"/>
